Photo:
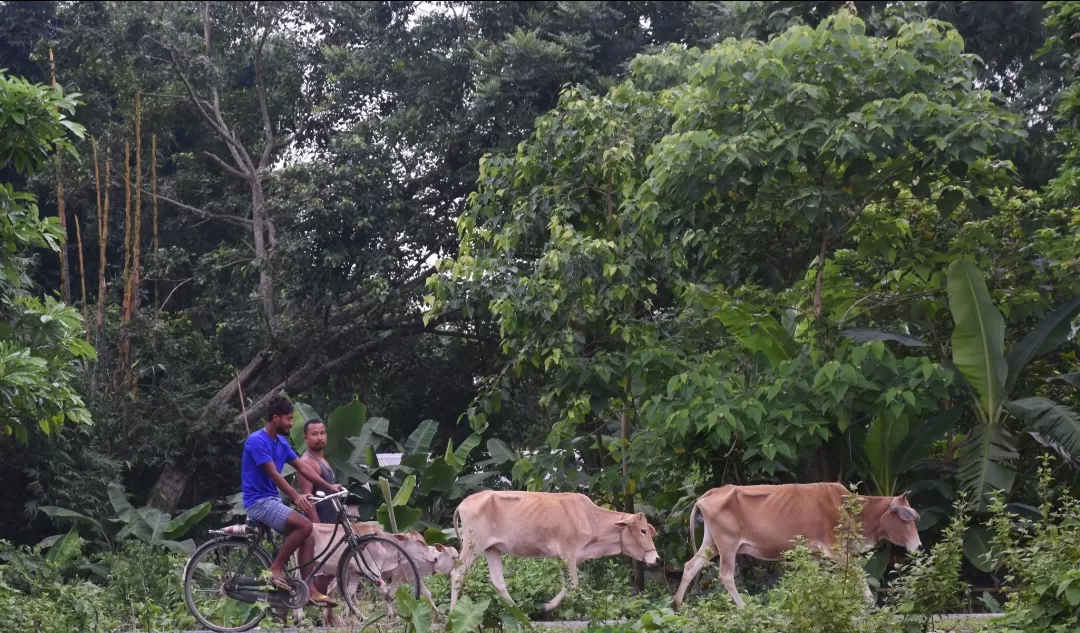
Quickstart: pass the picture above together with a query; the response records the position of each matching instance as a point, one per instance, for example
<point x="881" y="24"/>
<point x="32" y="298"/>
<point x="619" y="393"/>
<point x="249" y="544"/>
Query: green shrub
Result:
<point x="930" y="583"/>
<point x="1041" y="557"/>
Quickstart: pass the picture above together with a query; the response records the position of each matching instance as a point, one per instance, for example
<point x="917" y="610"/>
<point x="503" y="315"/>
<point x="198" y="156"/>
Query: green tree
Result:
<point x="41" y="340"/>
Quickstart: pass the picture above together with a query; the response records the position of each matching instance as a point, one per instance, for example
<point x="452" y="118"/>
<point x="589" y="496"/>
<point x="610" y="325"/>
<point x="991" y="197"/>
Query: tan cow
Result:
<point x="544" y="525"/>
<point x="379" y="558"/>
<point x="762" y="521"/>
<point x="445" y="559"/>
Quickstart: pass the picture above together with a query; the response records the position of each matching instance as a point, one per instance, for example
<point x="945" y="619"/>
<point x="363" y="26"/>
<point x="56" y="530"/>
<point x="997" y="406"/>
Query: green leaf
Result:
<point x="881" y="442"/>
<point x="373" y="429"/>
<point x="404" y="518"/>
<point x="958" y="168"/>
<point x="66" y="549"/>
<point x="414" y="612"/>
<point x="180" y="525"/>
<point x="1051" y="332"/>
<point x="152" y="524"/>
<point x="760" y="333"/>
<point x="977" y="545"/>
<point x="1073" y="378"/>
<point x="302" y="413"/>
<point x="1049" y="418"/>
<point x="438" y="476"/>
<point x="344" y="423"/>
<point x="978" y="340"/>
<point x="500" y="452"/>
<point x="63" y="513"/>
<point x="468" y="615"/>
<point x="461" y="455"/>
<point x="181" y="548"/>
<point x="419" y="442"/>
<point x="875" y="567"/>
<point x="916" y="446"/>
<point x="986" y="462"/>
<point x="405" y="491"/>
<point x="862" y="335"/>
<point x="949" y="200"/>
<point x="123" y="508"/>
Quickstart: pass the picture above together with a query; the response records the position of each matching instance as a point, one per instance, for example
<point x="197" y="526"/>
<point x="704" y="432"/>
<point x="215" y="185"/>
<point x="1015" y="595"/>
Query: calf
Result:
<point x="445" y="559"/>
<point x="382" y="559"/>
<point x="762" y="521"/>
<point x="544" y="525"/>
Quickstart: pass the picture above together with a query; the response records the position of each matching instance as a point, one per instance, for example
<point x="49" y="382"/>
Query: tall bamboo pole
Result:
<point x="65" y="284"/>
<point x="103" y="240"/>
<point x="82" y="278"/>
<point x="153" y="187"/>
<point x="136" y="256"/>
<point x="122" y="369"/>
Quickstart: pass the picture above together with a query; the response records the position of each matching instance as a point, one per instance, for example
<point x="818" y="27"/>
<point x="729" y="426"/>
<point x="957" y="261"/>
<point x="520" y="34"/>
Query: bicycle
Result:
<point x="240" y="598"/>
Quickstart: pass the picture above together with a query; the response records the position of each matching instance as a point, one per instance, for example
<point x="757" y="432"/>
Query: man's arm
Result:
<point x="307" y="472"/>
<point x="300" y="500"/>
<point x="307" y="488"/>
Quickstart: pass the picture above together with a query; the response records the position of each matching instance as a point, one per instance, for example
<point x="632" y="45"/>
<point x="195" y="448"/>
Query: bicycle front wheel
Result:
<point x="212" y="570"/>
<point x="363" y="570"/>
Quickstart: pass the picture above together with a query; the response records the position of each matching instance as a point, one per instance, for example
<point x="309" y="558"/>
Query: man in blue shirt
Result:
<point x="266" y="452"/>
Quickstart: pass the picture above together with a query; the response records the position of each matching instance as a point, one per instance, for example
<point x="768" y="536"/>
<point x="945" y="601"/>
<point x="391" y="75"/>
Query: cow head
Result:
<point x="898" y="524"/>
<point x="636" y="538"/>
<point x="445" y="558"/>
<point x="416" y="547"/>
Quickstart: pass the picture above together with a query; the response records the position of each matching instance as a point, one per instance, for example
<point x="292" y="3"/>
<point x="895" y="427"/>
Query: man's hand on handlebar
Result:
<point x="339" y="492"/>
<point x="303" y="503"/>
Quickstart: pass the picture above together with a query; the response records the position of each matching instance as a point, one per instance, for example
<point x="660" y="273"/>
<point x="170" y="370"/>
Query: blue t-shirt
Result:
<point x="259" y="449"/>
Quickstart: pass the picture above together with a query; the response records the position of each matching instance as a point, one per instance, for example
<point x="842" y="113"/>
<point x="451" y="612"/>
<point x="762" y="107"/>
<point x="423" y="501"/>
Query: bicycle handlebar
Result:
<point x="319" y="499"/>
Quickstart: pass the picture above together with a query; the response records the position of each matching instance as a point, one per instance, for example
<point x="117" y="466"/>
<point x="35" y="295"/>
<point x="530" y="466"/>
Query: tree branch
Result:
<point x="260" y="90"/>
<point x="226" y="166"/>
<point x="206" y="214"/>
<point x="307" y="376"/>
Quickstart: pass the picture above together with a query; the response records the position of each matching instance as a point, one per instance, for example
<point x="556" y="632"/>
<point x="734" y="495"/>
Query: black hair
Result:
<point x="310" y="422"/>
<point x="278" y="406"/>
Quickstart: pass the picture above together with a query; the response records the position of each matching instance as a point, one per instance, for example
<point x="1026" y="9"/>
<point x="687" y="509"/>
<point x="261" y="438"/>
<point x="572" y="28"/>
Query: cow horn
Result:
<point x="907" y="494"/>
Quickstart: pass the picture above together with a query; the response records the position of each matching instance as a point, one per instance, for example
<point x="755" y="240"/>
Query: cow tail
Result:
<point x="693" y="536"/>
<point x="457" y="526"/>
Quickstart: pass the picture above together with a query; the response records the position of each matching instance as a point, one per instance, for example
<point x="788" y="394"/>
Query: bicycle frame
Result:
<point x="351" y="538"/>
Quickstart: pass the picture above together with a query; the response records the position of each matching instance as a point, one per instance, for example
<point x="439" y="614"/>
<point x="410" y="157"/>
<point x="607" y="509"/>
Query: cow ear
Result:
<point x="438" y="548"/>
<point x="906" y="495"/>
<point x="906" y="513"/>
<point x="622" y="523"/>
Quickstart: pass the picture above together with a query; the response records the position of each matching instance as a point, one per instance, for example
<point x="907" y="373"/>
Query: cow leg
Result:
<point x="495" y="572"/>
<point x="571" y="567"/>
<point x="727" y="576"/>
<point x="693" y="567"/>
<point x="461" y="569"/>
<point x="424" y="591"/>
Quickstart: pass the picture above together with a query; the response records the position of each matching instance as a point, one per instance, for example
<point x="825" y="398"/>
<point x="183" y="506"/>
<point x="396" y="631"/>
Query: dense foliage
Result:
<point x="638" y="250"/>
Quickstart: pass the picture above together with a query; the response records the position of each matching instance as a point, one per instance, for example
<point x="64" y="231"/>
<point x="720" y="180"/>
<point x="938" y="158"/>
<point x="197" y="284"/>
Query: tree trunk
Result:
<point x="262" y="255"/>
<point x="637" y="572"/>
<point x="168" y="489"/>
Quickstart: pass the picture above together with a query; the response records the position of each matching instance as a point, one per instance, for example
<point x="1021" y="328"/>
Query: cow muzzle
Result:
<point x="652" y="558"/>
<point x="914" y="546"/>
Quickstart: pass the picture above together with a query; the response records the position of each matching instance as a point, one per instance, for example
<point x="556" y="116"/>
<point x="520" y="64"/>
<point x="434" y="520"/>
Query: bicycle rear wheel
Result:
<point x="363" y="563"/>
<point x="219" y="563"/>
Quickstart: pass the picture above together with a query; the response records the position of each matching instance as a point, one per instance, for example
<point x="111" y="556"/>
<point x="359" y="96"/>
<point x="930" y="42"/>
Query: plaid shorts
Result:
<point x="271" y="512"/>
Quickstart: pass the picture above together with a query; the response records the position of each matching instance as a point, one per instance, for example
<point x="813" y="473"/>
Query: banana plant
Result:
<point x="147" y="524"/>
<point x="989" y="452"/>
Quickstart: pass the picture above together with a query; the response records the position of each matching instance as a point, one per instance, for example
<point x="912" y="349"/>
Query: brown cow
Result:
<point x="762" y="521"/>
<point x="544" y="525"/>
